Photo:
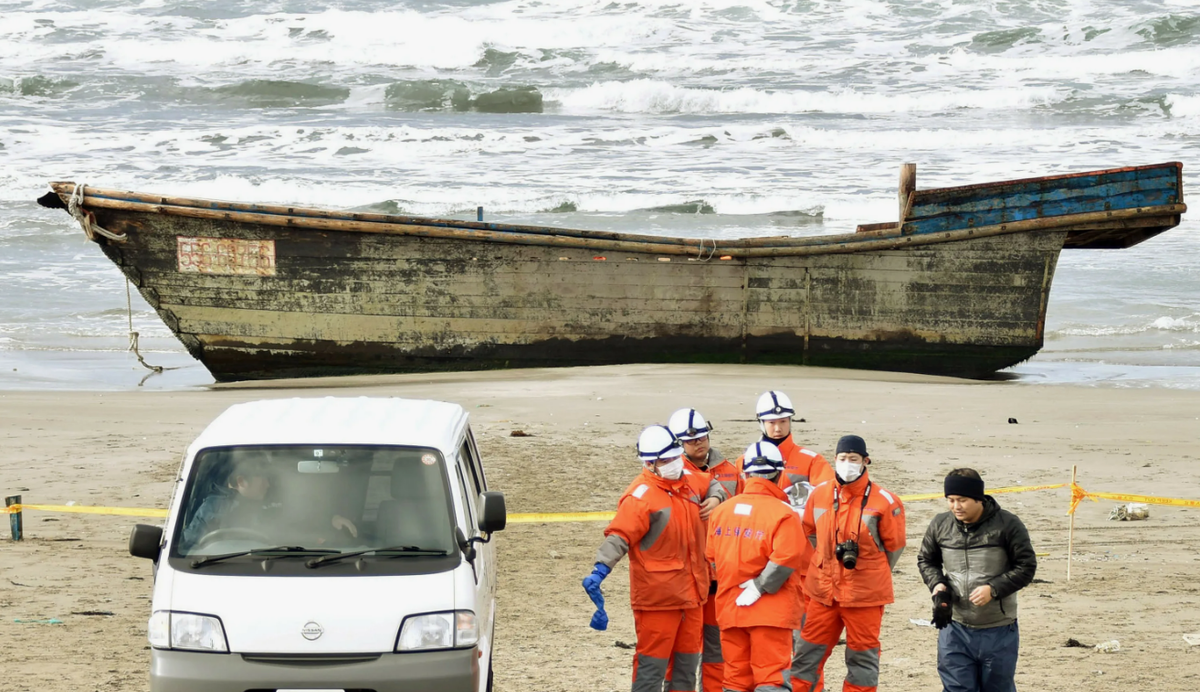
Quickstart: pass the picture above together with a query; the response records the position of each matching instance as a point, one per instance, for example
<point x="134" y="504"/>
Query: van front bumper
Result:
<point x="186" y="671"/>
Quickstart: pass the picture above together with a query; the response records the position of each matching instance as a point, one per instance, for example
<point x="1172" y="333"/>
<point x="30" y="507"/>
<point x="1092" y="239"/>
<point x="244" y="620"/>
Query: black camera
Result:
<point x="847" y="554"/>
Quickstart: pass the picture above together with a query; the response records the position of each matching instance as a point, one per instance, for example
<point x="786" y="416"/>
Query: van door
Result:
<point x="471" y="477"/>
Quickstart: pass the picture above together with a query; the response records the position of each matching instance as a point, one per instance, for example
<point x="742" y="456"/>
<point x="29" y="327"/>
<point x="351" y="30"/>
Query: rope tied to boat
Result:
<point x="700" y="254"/>
<point x="87" y="219"/>
<point x="133" y="338"/>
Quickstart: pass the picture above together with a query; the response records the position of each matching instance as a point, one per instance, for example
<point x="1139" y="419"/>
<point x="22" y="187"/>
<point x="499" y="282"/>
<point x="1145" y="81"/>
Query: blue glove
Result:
<point x="591" y="584"/>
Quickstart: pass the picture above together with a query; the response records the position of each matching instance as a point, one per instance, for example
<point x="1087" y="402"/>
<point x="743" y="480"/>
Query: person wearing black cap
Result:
<point x="974" y="559"/>
<point x="856" y="529"/>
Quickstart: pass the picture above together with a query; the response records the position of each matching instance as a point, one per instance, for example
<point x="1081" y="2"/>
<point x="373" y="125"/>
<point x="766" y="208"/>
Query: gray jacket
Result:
<point x="995" y="551"/>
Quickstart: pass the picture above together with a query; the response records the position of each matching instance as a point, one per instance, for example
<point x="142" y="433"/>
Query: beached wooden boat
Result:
<point x="958" y="287"/>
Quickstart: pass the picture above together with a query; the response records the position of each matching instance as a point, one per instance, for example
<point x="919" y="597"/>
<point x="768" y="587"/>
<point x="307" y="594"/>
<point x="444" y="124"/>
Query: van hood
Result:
<point x="310" y="614"/>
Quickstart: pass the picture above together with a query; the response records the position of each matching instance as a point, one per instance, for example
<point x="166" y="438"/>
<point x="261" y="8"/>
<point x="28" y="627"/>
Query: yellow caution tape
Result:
<point x="81" y="509"/>
<point x="560" y="516"/>
<point x="992" y="491"/>
<point x="1078" y="494"/>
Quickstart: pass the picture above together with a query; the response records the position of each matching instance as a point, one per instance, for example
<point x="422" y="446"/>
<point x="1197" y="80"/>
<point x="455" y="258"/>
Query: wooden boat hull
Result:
<point x="254" y="293"/>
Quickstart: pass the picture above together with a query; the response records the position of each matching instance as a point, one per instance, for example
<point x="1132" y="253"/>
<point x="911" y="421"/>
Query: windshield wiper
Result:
<point x="400" y="550"/>
<point x="292" y="549"/>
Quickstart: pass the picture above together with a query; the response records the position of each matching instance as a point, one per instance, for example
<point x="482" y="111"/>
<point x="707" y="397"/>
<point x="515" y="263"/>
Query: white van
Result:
<point x="326" y="544"/>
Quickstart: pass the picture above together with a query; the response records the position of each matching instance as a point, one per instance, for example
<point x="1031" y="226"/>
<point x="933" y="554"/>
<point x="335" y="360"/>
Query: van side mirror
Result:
<point x="145" y="541"/>
<point x="493" y="516"/>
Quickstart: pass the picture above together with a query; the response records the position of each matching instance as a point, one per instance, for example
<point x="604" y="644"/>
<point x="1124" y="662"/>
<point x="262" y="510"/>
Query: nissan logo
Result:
<point x="311" y="631"/>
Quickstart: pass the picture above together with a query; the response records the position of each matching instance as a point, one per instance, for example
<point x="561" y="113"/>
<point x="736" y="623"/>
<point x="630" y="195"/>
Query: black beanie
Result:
<point x="852" y="443"/>
<point x="964" y="486"/>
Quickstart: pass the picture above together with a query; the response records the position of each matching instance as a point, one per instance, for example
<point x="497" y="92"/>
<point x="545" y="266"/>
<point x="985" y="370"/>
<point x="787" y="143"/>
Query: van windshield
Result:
<point x="320" y="498"/>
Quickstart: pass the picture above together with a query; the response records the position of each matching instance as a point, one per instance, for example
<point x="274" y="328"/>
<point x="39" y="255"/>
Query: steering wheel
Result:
<point x="232" y="533"/>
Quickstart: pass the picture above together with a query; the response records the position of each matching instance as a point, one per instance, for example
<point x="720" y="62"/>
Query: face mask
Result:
<point x="673" y="470"/>
<point x="848" y="471"/>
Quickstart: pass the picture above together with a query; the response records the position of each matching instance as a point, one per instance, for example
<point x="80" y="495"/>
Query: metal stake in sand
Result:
<point x="14" y="518"/>
<point x="1071" y="531"/>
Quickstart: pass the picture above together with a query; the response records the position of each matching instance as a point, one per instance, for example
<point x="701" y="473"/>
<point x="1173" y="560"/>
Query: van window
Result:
<point x="315" y="497"/>
<point x="467" y="454"/>
<point x="476" y="464"/>
<point x="468" y="498"/>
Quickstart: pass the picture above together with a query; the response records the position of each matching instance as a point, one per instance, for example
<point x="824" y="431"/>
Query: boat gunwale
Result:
<point x="936" y="192"/>
<point x="703" y="248"/>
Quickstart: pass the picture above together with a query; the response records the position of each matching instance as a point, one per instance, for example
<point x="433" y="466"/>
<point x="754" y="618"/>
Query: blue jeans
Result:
<point x="978" y="660"/>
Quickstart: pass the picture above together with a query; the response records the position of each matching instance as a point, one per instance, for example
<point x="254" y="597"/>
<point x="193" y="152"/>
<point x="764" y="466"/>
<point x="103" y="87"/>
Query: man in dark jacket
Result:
<point x="974" y="559"/>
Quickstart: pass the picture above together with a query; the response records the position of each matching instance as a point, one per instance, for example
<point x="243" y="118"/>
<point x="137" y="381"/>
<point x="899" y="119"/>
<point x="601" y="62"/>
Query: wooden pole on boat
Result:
<point x="908" y="184"/>
<point x="1071" y="531"/>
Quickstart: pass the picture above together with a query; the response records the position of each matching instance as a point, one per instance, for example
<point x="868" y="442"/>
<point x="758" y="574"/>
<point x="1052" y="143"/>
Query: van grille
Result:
<point x="310" y="660"/>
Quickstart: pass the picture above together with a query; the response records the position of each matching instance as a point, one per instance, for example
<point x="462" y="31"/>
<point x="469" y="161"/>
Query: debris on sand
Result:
<point x="1131" y="511"/>
<point x="1074" y="643"/>
<point x="519" y="433"/>
<point x="622" y="645"/>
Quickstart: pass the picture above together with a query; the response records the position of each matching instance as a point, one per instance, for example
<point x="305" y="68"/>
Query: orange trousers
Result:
<point x="820" y="684"/>
<point x="756" y="658"/>
<point x="712" y="662"/>
<point x="823" y="626"/>
<point x="667" y="638"/>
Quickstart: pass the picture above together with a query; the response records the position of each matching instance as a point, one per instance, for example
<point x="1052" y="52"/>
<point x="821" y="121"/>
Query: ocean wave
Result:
<point x="37" y="86"/>
<point x="1182" y="106"/>
<point x="661" y="97"/>
<point x="1188" y="324"/>
<point x="1171" y="30"/>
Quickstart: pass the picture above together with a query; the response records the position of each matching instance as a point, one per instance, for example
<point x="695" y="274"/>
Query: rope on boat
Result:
<point x="87" y="219"/>
<point x="700" y="255"/>
<point x="133" y="337"/>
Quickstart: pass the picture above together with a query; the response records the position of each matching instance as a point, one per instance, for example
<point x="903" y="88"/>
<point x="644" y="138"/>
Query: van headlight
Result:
<point x="449" y="630"/>
<point x="188" y="631"/>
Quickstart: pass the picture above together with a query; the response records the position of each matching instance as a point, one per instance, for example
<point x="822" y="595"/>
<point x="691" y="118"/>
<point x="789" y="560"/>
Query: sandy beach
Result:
<point x="1133" y="582"/>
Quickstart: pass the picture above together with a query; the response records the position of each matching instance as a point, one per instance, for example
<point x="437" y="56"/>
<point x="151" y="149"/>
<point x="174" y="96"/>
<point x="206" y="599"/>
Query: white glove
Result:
<point x="798" y="494"/>
<point x="750" y="594"/>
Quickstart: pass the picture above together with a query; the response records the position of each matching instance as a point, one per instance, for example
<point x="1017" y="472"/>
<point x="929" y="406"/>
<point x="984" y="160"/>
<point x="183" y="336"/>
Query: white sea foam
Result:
<point x="1187" y="324"/>
<point x="654" y="96"/>
<point x="1184" y="106"/>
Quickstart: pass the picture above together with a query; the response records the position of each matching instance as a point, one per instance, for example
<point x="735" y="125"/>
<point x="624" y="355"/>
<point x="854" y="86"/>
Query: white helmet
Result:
<point x="762" y="459"/>
<point x="656" y="442"/>
<point x="774" y="405"/>
<point x="687" y="424"/>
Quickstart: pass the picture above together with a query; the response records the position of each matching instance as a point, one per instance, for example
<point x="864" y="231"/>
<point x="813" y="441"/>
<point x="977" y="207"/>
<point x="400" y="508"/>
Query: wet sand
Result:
<point x="1132" y="582"/>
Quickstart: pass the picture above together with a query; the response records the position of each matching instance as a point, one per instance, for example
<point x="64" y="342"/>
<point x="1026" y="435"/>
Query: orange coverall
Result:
<point x="658" y="525"/>
<point x="712" y="664"/>
<point x="800" y="465"/>
<point x="757" y="536"/>
<point x="872" y="517"/>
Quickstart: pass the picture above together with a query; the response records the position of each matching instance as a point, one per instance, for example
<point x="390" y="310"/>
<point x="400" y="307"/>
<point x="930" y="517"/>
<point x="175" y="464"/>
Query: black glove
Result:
<point x="942" y="612"/>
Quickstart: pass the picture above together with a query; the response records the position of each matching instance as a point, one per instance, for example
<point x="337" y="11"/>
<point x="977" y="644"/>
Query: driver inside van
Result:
<point x="241" y="504"/>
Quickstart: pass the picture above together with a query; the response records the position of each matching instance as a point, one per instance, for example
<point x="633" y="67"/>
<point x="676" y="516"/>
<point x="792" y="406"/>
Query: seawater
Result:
<point x="713" y="118"/>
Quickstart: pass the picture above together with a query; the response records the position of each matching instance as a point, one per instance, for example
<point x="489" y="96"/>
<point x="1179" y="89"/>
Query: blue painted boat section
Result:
<point x="948" y="209"/>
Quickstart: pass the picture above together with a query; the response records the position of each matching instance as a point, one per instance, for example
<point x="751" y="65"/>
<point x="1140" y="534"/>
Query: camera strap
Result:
<point x="861" y="510"/>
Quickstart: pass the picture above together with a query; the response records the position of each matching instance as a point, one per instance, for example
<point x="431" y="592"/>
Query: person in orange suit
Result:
<point x="856" y="529"/>
<point x="693" y="431"/>
<point x="754" y="545"/>
<point x="803" y="469"/>
<point x="658" y="525"/>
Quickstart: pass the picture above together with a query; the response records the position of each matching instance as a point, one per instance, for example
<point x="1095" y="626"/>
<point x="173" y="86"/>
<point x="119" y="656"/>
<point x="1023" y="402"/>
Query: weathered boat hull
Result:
<point x="253" y="293"/>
